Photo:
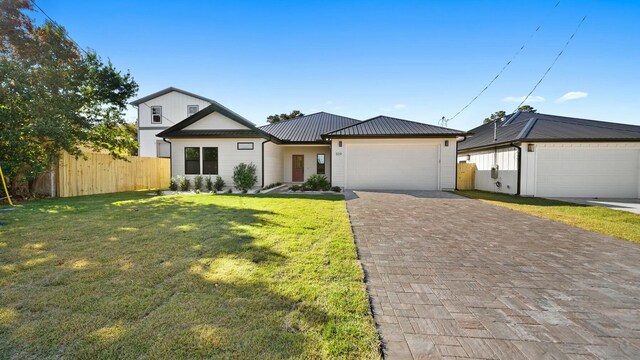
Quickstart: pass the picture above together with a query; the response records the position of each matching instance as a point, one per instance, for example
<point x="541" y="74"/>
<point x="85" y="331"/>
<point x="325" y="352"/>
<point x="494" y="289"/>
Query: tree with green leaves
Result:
<point x="272" y="119"/>
<point x="501" y="114"/>
<point x="54" y="97"/>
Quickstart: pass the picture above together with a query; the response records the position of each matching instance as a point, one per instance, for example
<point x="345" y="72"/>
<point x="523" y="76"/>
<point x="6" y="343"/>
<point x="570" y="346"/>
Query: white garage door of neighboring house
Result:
<point x="587" y="172"/>
<point x="392" y="167"/>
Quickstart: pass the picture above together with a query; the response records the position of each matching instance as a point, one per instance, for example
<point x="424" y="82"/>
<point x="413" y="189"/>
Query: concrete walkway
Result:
<point x="629" y="205"/>
<point x="456" y="278"/>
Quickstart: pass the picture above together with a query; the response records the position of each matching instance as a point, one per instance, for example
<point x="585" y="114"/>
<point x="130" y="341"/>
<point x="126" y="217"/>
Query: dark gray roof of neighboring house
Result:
<point x="308" y="128"/>
<point x="535" y="127"/>
<point x="384" y="126"/>
<point x="177" y="130"/>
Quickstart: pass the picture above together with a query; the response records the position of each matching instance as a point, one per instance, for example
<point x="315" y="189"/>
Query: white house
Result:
<point x="379" y="153"/>
<point x="534" y="154"/>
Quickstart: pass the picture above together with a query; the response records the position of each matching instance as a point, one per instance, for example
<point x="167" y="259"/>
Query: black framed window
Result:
<point x="156" y="114"/>
<point x="192" y="109"/>
<point x="192" y="160"/>
<point x="245" y="146"/>
<point x="210" y="161"/>
<point x="320" y="164"/>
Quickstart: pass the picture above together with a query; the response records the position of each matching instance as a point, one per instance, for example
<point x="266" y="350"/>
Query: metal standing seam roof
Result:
<point x="389" y="127"/>
<point x="308" y="128"/>
<point x="526" y="126"/>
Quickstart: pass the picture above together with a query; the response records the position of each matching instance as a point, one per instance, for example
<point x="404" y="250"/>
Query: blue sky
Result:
<point x="418" y="60"/>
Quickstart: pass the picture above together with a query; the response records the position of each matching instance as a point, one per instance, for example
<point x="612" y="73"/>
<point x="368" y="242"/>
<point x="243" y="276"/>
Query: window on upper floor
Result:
<point x="156" y="114"/>
<point x="192" y="109"/>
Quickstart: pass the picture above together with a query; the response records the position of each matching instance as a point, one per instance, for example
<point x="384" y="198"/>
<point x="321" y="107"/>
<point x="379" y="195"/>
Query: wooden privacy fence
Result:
<point x="466" y="176"/>
<point x="100" y="173"/>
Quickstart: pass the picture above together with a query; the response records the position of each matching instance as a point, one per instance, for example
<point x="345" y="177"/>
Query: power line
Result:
<point x="66" y="34"/>
<point x="445" y="121"/>
<point x="553" y="63"/>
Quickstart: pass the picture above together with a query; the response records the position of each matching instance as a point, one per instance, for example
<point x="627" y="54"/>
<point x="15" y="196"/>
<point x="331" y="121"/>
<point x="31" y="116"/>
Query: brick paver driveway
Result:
<point x="452" y="277"/>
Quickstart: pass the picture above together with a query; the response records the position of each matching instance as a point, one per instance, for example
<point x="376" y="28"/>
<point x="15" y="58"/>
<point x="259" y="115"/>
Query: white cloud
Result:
<point x="572" y="95"/>
<point x="531" y="99"/>
<point x="399" y="106"/>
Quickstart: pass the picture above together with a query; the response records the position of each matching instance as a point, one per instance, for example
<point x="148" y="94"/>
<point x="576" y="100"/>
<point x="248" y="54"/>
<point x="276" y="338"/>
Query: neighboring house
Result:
<point x="534" y="154"/>
<point x="379" y="153"/>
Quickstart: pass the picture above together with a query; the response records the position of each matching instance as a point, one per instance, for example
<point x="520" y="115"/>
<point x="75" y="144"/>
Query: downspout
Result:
<point x="264" y="142"/>
<point x="519" y="166"/>
<point x="455" y="187"/>
<point x="170" y="156"/>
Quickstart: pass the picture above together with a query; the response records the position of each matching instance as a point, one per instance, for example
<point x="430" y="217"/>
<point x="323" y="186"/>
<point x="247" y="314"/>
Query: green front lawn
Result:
<point x="621" y="224"/>
<point x="138" y="276"/>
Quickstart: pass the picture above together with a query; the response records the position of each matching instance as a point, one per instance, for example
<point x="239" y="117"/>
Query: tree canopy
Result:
<point x="500" y="114"/>
<point x="272" y="119"/>
<point x="55" y="97"/>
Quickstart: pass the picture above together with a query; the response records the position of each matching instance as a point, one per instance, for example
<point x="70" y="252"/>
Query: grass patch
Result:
<point x="621" y="224"/>
<point x="198" y="276"/>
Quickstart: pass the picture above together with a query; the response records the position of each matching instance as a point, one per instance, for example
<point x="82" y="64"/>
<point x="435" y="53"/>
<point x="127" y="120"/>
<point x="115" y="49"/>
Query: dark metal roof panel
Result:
<point x="308" y="128"/>
<point x="550" y="128"/>
<point x="389" y="126"/>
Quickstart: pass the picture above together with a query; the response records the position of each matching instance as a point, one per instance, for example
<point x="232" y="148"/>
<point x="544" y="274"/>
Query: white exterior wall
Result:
<point x="443" y="165"/>
<point x="228" y="156"/>
<point x="273" y="163"/>
<point x="215" y="121"/>
<point x="507" y="161"/>
<point x="174" y="109"/>
<point x="581" y="170"/>
<point x="310" y="153"/>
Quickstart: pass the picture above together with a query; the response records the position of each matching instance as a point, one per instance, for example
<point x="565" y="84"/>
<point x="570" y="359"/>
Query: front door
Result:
<point x="297" y="174"/>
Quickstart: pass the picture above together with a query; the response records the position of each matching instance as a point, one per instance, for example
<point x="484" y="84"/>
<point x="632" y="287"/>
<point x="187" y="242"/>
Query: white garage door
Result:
<point x="392" y="167"/>
<point x="587" y="172"/>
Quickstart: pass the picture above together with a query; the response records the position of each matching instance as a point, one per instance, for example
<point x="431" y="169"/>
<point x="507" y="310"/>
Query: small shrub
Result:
<point x="229" y="191"/>
<point x="173" y="184"/>
<point x="317" y="182"/>
<point x="294" y="187"/>
<point x="209" y="183"/>
<point x="158" y="192"/>
<point x="197" y="182"/>
<point x="336" y="189"/>
<point x="197" y="191"/>
<point x="244" y="176"/>
<point x="184" y="183"/>
<point x="219" y="184"/>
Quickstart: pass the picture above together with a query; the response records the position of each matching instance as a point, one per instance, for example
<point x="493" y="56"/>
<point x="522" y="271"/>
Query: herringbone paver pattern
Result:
<point x="453" y="278"/>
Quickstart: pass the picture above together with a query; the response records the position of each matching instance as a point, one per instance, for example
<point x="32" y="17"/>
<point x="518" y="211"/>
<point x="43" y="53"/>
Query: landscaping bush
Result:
<point x="294" y="187"/>
<point x="316" y="182"/>
<point x="336" y="189"/>
<point x="184" y="183"/>
<point x="219" y="184"/>
<point x="209" y="183"/>
<point x="173" y="184"/>
<point x="197" y="183"/>
<point x="244" y="176"/>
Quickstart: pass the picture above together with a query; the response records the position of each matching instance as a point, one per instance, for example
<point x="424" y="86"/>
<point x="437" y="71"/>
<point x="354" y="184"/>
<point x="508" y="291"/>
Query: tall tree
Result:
<point x="272" y="119"/>
<point x="500" y="114"/>
<point x="54" y="97"/>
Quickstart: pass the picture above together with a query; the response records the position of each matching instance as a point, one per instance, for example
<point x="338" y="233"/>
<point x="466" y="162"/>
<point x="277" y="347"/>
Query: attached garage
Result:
<point x="393" y="154"/>
<point x="392" y="166"/>
<point x="580" y="170"/>
<point x="556" y="156"/>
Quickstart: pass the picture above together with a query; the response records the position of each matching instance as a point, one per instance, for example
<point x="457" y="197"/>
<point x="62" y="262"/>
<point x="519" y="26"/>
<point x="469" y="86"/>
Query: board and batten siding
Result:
<point x="582" y="170"/>
<point x="174" y="109"/>
<point x="273" y="163"/>
<point x="228" y="156"/>
<point x="507" y="161"/>
<point x="432" y="161"/>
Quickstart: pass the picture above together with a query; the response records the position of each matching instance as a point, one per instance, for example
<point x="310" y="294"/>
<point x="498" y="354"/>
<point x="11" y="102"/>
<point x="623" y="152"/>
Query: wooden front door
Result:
<point x="297" y="170"/>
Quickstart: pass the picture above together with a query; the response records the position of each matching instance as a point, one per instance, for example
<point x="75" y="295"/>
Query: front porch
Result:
<point x="301" y="161"/>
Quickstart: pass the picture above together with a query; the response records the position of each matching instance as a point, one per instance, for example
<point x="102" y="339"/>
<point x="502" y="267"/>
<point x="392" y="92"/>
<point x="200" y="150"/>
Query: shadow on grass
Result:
<point x="170" y="276"/>
<point x="512" y="199"/>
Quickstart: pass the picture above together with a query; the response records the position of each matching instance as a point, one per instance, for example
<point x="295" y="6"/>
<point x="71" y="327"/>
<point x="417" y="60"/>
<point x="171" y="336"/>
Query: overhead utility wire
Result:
<point x="503" y="68"/>
<point x="66" y="34"/>
<point x="553" y="63"/>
